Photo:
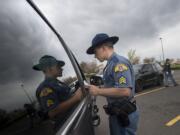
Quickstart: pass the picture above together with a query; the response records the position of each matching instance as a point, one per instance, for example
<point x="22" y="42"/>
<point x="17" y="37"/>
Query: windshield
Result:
<point x="137" y="67"/>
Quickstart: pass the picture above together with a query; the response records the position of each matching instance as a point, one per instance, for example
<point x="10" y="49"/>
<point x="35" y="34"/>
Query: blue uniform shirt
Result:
<point x="119" y="73"/>
<point x="51" y="92"/>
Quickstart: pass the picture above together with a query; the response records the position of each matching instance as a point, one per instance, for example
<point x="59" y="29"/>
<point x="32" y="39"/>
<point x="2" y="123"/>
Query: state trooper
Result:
<point x="119" y="86"/>
<point x="54" y="96"/>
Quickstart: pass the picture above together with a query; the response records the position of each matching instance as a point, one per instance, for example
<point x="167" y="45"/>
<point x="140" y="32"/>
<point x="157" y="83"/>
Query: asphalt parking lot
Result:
<point x="159" y="110"/>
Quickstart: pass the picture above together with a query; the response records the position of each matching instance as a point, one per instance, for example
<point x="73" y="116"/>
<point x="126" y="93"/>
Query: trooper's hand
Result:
<point x="78" y="94"/>
<point x="93" y="90"/>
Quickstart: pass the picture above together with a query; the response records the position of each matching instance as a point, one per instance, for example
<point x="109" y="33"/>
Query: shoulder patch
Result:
<point x="122" y="80"/>
<point x="45" y="92"/>
<point x="120" y="68"/>
<point x="50" y="102"/>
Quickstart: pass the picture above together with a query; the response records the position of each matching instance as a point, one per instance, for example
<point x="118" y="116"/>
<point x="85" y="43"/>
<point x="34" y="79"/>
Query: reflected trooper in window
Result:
<point x="54" y="96"/>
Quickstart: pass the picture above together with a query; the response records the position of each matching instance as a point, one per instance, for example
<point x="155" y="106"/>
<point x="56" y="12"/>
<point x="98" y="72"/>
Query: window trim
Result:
<point x="69" y="122"/>
<point x="66" y="127"/>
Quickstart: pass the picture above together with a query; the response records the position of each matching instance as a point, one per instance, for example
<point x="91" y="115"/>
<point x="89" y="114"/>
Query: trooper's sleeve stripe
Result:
<point x="45" y="92"/>
<point x="120" y="68"/>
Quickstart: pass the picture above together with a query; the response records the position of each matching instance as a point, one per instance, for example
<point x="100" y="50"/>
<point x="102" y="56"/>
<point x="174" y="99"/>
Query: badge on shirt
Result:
<point x="122" y="80"/>
<point x="45" y="92"/>
<point x="50" y="102"/>
<point x="120" y="68"/>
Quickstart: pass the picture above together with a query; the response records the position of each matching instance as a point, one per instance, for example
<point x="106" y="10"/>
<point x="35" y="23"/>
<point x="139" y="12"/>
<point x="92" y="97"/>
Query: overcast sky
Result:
<point x="25" y="37"/>
<point x="138" y="23"/>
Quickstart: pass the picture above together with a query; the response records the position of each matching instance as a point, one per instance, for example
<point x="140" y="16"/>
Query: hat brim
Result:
<point x="39" y="67"/>
<point x="113" y="40"/>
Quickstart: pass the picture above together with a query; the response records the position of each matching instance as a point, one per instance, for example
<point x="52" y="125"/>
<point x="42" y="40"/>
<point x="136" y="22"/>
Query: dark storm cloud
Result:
<point x="22" y="41"/>
<point x="146" y="19"/>
<point x="24" y="36"/>
<point x="131" y="20"/>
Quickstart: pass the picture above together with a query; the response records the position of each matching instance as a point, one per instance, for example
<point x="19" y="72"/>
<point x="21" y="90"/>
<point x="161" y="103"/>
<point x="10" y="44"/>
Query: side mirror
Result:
<point x="96" y="80"/>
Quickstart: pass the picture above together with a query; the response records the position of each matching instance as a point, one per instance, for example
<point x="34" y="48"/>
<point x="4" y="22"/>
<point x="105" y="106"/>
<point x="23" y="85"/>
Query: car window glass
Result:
<point x="24" y="39"/>
<point x="158" y="66"/>
<point x="137" y="68"/>
<point x="154" y="67"/>
<point x="147" y="68"/>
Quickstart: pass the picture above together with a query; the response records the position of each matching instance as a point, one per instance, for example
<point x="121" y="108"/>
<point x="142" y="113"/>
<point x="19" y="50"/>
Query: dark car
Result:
<point x="24" y="39"/>
<point x="147" y="74"/>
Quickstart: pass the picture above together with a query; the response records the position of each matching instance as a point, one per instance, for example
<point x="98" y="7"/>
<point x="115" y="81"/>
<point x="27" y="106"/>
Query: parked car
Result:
<point x="23" y="42"/>
<point x="147" y="74"/>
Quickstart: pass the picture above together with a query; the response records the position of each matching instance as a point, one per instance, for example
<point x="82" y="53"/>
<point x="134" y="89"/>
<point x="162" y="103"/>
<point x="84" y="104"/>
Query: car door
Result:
<point x="80" y="121"/>
<point x="23" y="42"/>
<point x="148" y="74"/>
